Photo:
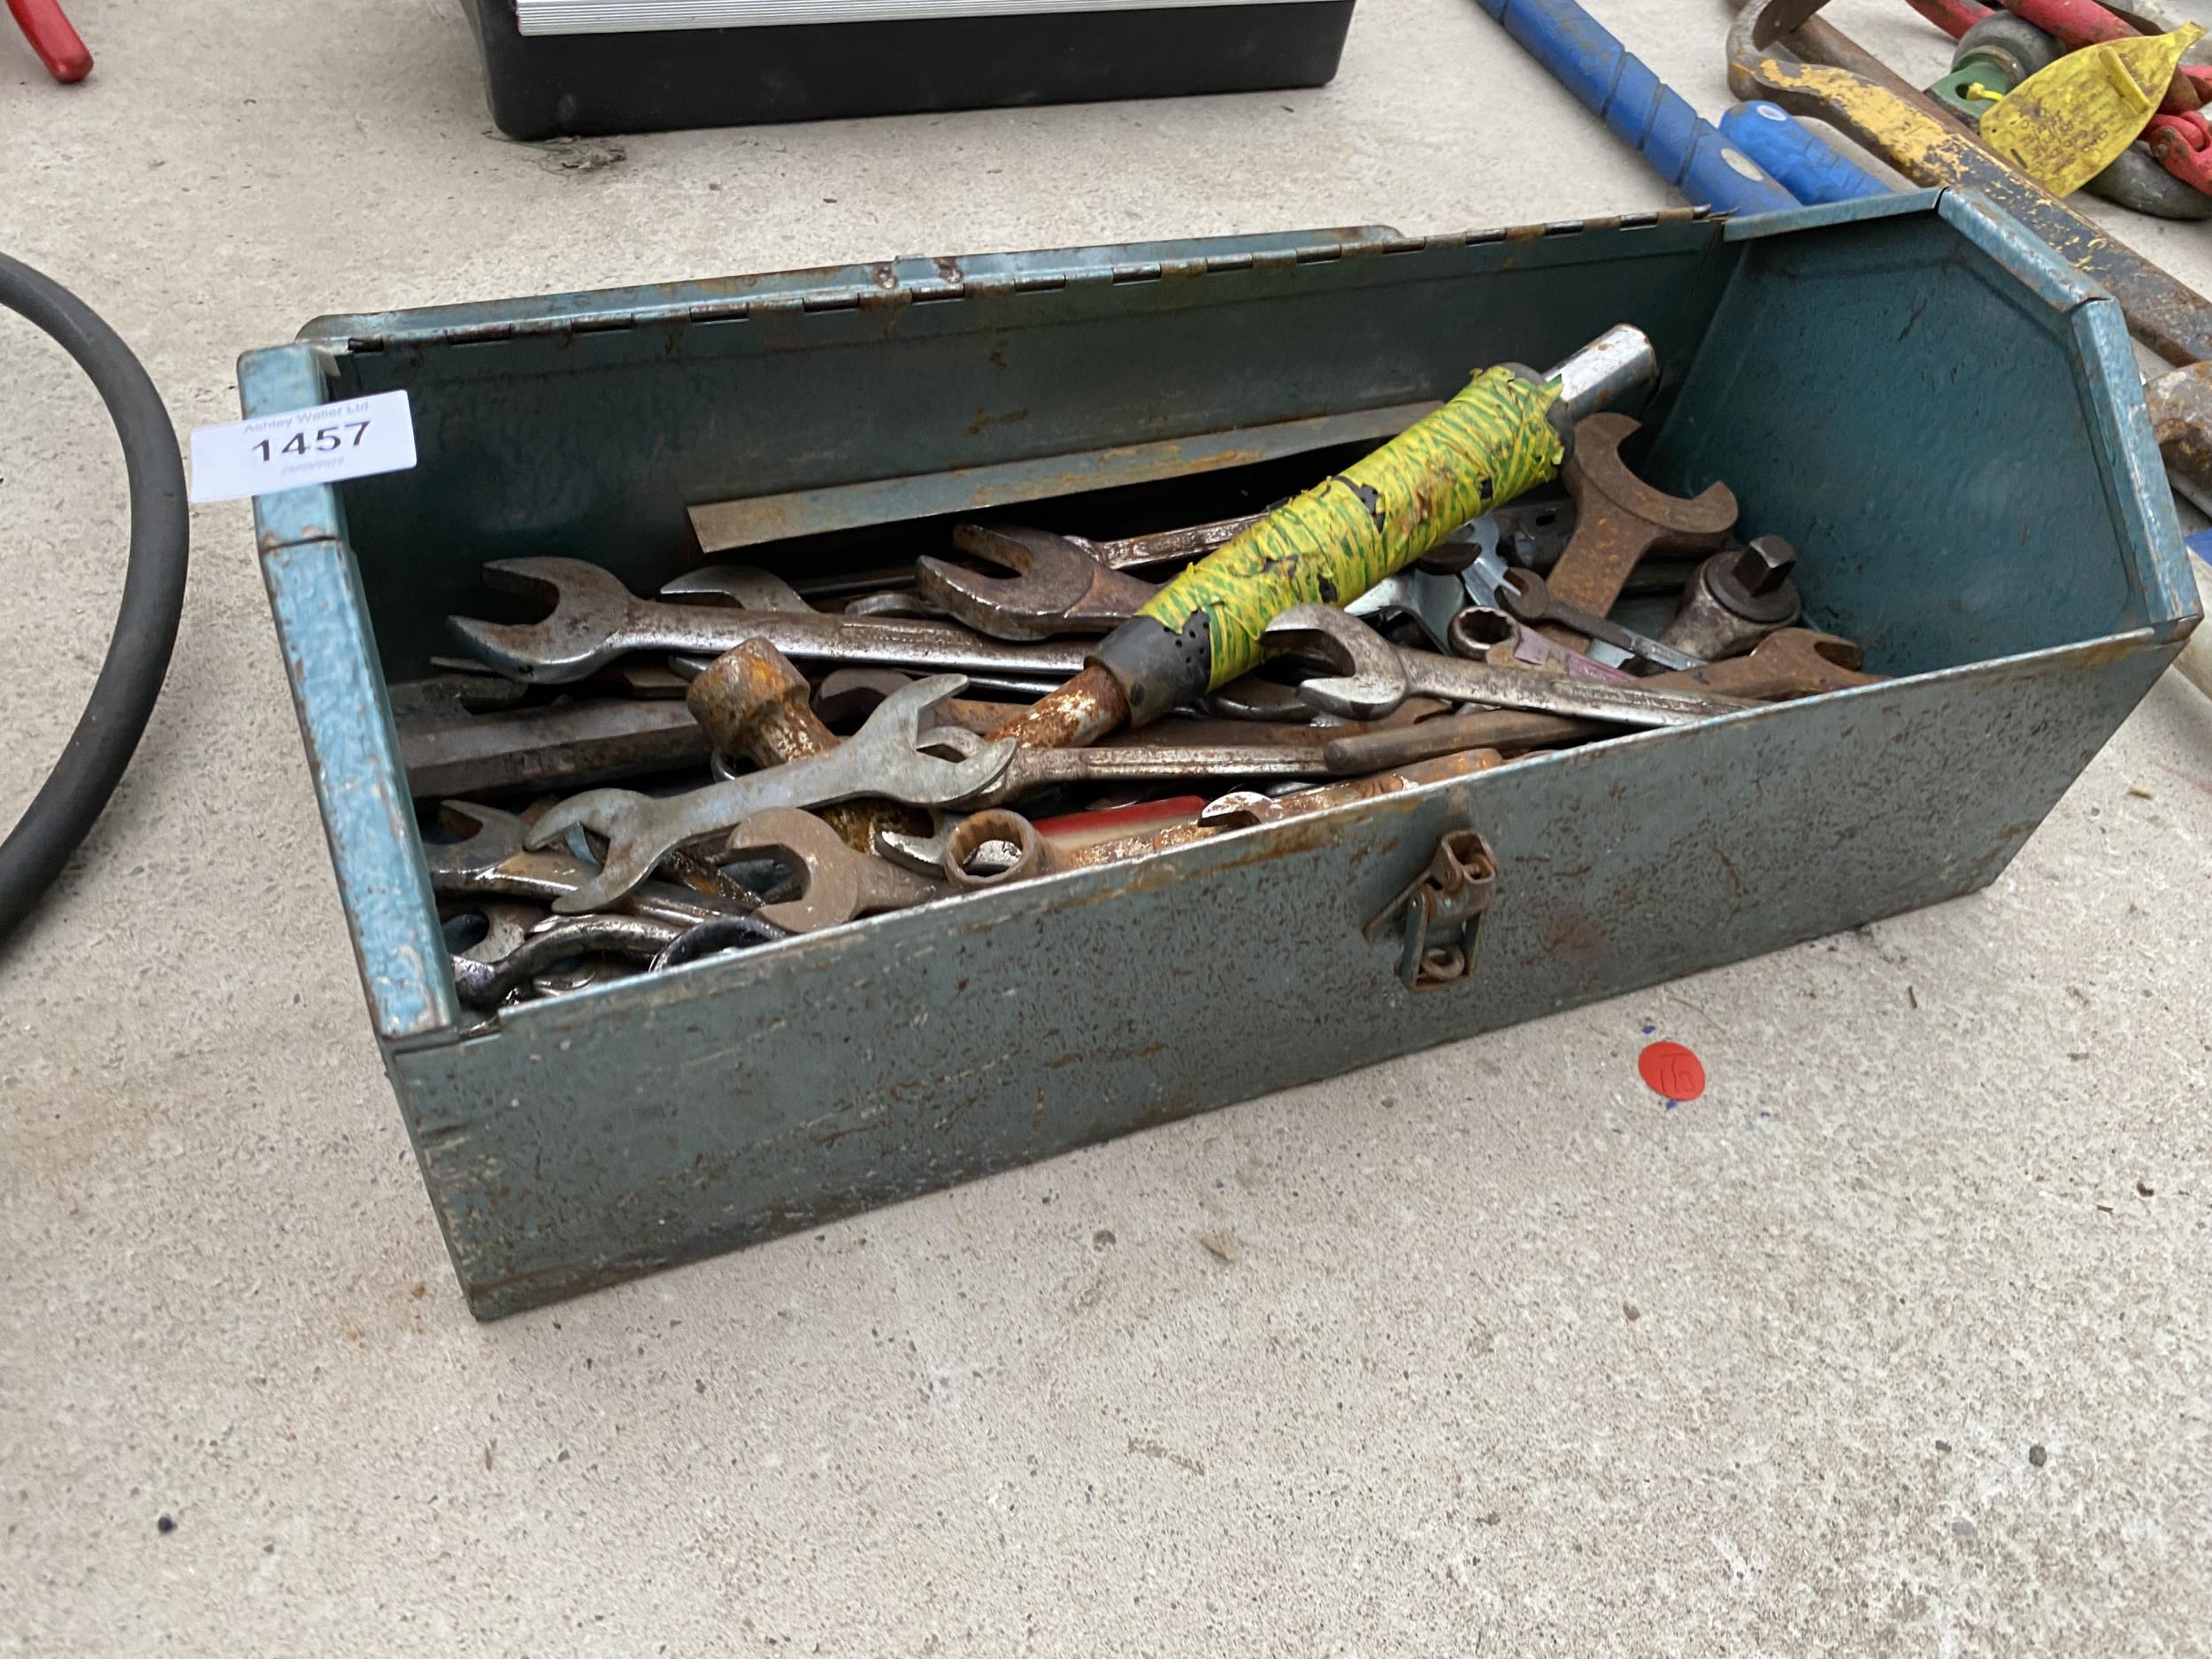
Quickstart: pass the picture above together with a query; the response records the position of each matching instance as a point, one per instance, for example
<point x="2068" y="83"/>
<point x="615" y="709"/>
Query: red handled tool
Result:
<point x="59" y="46"/>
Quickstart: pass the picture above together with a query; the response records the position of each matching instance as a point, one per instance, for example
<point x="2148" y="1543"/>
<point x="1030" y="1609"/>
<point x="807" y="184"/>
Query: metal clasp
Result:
<point x="1440" y="912"/>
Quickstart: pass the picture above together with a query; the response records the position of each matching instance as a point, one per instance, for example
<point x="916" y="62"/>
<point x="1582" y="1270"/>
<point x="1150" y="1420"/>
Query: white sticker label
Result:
<point x="308" y="446"/>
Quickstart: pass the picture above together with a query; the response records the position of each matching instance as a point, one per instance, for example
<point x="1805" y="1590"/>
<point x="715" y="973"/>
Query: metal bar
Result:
<point x="724" y="525"/>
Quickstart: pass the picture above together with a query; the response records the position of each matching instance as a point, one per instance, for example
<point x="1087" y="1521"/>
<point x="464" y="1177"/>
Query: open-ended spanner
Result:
<point x="596" y="618"/>
<point x="1794" y="663"/>
<point x="753" y="703"/>
<point x="1062" y="586"/>
<point x="1059" y="585"/>
<point x="638" y="938"/>
<point x="1525" y="596"/>
<point x="883" y="759"/>
<point x="846" y="694"/>
<point x="493" y="858"/>
<point x="1243" y="808"/>
<point x="1619" y="519"/>
<point x="1377" y="676"/>
<point x="507" y="923"/>
<point x="837" y="884"/>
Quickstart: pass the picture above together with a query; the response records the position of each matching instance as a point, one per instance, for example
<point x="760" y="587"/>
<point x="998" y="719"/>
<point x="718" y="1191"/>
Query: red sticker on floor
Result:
<point x="1672" y="1070"/>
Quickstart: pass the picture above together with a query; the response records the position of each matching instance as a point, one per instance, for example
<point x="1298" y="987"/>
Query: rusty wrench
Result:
<point x="837" y="883"/>
<point x="1026" y="853"/>
<point x="1062" y="585"/>
<point x="1059" y="585"/>
<point x="1527" y="597"/>
<point x="1619" y="519"/>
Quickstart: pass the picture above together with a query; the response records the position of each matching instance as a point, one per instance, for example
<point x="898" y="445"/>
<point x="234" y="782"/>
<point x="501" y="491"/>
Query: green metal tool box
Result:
<point x="1945" y="419"/>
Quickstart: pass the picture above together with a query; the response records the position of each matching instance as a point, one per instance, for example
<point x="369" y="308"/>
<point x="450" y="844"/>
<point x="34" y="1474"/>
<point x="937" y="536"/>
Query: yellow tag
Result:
<point x="2067" y="123"/>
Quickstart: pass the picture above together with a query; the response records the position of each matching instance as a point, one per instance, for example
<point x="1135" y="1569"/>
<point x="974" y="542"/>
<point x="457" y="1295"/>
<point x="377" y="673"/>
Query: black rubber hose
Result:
<point x="77" y="790"/>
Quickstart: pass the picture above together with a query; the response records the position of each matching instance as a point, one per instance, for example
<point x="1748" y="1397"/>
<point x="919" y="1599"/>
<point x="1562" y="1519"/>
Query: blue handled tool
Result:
<point x="1809" y="170"/>
<point x="1620" y="88"/>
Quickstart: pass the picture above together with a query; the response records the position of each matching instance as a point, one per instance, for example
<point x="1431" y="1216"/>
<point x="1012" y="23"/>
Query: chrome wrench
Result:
<point x="493" y="860"/>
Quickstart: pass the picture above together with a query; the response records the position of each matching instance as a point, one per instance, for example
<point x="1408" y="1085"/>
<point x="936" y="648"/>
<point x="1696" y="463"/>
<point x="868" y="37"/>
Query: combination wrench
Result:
<point x="1377" y="676"/>
<point x="1793" y="663"/>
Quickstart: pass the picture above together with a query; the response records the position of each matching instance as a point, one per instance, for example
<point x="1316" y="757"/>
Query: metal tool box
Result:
<point x="590" y="66"/>
<point x="1944" y="418"/>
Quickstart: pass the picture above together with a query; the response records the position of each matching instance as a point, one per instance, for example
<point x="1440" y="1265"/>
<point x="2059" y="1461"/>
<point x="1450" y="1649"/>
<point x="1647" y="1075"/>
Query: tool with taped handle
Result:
<point x="1507" y="433"/>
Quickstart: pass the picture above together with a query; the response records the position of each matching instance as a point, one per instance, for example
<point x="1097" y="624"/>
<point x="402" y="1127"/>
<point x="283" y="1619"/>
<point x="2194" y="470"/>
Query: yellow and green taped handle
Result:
<point x="1331" y="544"/>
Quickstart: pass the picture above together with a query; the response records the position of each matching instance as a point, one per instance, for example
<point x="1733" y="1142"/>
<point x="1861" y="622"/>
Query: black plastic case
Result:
<point x="552" y="86"/>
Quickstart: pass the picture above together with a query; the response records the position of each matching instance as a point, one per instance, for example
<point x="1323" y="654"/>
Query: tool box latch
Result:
<point x="1438" y="914"/>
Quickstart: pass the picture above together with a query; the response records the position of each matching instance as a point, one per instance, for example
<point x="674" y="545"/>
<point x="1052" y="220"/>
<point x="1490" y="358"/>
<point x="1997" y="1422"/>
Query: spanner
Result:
<point x="968" y="866"/>
<point x="838" y="883"/>
<point x="596" y="618"/>
<point x="1033" y="768"/>
<point x="493" y="860"/>
<point x="1794" y="663"/>
<point x="747" y="586"/>
<point x="851" y="691"/>
<point x="1379" y="676"/>
<point x="1430" y="599"/>
<point x="1243" y="808"/>
<point x="486" y="984"/>
<point x="753" y="703"/>
<point x="848" y="694"/>
<point x="883" y="759"/>
<point x="507" y="923"/>
<point x="1619" y="519"/>
<point x="1061" y="586"/>
<point x="1525" y="597"/>
<point x="962" y="848"/>
<point x="751" y="589"/>
<point x="1491" y="636"/>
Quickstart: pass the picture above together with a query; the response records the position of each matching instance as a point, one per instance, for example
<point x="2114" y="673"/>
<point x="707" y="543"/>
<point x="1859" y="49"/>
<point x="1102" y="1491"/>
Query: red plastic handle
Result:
<point x="59" y="46"/>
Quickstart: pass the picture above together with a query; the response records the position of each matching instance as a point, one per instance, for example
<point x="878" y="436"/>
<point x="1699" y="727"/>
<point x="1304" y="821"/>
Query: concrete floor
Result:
<point x="1509" y="1357"/>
